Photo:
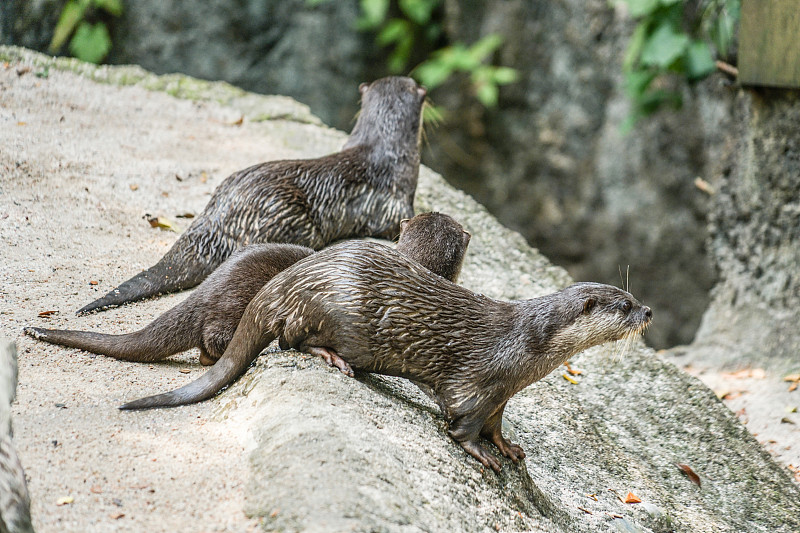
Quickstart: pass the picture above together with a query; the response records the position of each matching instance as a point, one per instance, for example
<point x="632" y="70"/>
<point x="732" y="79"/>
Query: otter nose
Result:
<point x="647" y="312"/>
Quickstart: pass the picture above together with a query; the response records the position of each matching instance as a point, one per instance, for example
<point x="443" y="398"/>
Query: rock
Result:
<point x="755" y="239"/>
<point x="15" y="503"/>
<point x="325" y="452"/>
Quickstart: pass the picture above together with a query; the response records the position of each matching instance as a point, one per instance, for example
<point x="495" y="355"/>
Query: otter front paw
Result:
<point x="481" y="454"/>
<point x="509" y="449"/>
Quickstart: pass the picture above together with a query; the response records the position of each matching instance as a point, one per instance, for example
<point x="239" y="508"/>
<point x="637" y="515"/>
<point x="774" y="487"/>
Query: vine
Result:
<point x="412" y="25"/>
<point x="674" y="38"/>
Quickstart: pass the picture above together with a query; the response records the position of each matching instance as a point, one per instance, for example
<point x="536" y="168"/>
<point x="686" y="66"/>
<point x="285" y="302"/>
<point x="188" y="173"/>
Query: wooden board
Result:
<point x="769" y="43"/>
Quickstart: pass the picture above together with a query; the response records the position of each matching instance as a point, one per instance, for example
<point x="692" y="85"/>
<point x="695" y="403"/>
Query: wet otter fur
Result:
<point x="375" y="310"/>
<point x="363" y="190"/>
<point x="207" y="319"/>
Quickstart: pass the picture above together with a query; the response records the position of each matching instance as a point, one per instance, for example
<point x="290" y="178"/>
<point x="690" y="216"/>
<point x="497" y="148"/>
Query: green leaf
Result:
<point x="663" y="47"/>
<point x="669" y="2"/>
<point x="394" y="31"/>
<point x="111" y="6"/>
<point x="487" y="94"/>
<point x="723" y="29"/>
<point x="699" y="62"/>
<point x="481" y="49"/>
<point x="70" y="16"/>
<point x="419" y="11"/>
<point x="504" y="75"/>
<point x="399" y="57"/>
<point x="90" y="43"/>
<point x="432" y="73"/>
<point x="637" y="82"/>
<point x="640" y="8"/>
<point x="373" y="14"/>
<point x="634" y="46"/>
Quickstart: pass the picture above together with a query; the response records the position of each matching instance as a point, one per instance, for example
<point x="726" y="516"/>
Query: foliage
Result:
<point x="412" y="26"/>
<point x="88" y="41"/>
<point x="678" y="38"/>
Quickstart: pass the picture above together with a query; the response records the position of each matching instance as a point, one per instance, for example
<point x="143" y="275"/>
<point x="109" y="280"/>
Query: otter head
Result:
<point x="391" y="114"/>
<point x="594" y="313"/>
<point x="436" y="241"/>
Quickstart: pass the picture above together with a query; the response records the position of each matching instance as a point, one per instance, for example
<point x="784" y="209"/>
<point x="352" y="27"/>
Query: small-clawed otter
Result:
<point x="362" y="191"/>
<point x="368" y="307"/>
<point x="208" y="318"/>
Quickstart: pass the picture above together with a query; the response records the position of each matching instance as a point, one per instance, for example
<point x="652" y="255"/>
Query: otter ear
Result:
<point x="467" y="237"/>
<point x="588" y="305"/>
<point x="404" y="223"/>
<point x="363" y="87"/>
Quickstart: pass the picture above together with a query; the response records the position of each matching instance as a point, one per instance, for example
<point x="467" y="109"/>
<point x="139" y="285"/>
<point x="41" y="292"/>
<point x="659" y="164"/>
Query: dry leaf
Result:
<point x="134" y="187"/>
<point x="93" y="282"/>
<point x="238" y="122"/>
<point x="755" y="373"/>
<point x="185" y="370"/>
<point x="96" y="489"/>
<point x="587" y="511"/>
<point x="792" y="377"/>
<point x="22" y="123"/>
<point x="703" y="185"/>
<point x="786" y="420"/>
<point x="161" y="222"/>
<point x="569" y="379"/>
<point x="632" y="498"/>
<point x="47" y="313"/>
<point x="793" y="386"/>
<point x="686" y="469"/>
<point x="185" y="215"/>
<point x="116" y="516"/>
<point x="65" y="500"/>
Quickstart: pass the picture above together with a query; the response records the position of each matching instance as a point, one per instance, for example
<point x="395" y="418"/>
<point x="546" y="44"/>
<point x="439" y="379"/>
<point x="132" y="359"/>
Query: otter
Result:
<point x="362" y="191"/>
<point x="207" y="319"/>
<point x="363" y="306"/>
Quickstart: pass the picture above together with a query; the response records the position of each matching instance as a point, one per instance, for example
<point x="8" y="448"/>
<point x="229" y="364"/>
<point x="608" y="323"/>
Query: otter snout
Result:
<point x="647" y="312"/>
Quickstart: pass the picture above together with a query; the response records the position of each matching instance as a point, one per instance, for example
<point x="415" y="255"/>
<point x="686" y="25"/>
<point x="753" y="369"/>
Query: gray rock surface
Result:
<point x="755" y="239"/>
<point x="294" y="445"/>
<point x="15" y="502"/>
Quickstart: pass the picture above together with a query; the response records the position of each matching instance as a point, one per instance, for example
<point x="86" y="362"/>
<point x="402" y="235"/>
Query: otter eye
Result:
<point x="626" y="306"/>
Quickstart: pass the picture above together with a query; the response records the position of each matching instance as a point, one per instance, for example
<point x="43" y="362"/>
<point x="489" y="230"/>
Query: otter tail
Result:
<point x="163" y="337"/>
<point x="248" y="341"/>
<point x="182" y="267"/>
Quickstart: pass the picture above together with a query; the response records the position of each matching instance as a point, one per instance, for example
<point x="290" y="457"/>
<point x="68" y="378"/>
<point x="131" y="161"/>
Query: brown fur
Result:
<point x="207" y="319"/>
<point x="366" y="307"/>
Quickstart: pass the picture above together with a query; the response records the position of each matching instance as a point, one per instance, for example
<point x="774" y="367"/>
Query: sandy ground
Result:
<point x="81" y="164"/>
<point x="762" y="401"/>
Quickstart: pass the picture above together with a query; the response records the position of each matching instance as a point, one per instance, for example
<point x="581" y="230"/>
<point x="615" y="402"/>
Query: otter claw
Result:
<point x="481" y="454"/>
<point x="510" y="450"/>
<point x="333" y="359"/>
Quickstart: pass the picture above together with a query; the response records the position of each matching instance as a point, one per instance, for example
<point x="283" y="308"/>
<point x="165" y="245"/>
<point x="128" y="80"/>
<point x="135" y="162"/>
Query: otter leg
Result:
<point x="332" y="358"/>
<point x="492" y="430"/>
<point x="466" y="431"/>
